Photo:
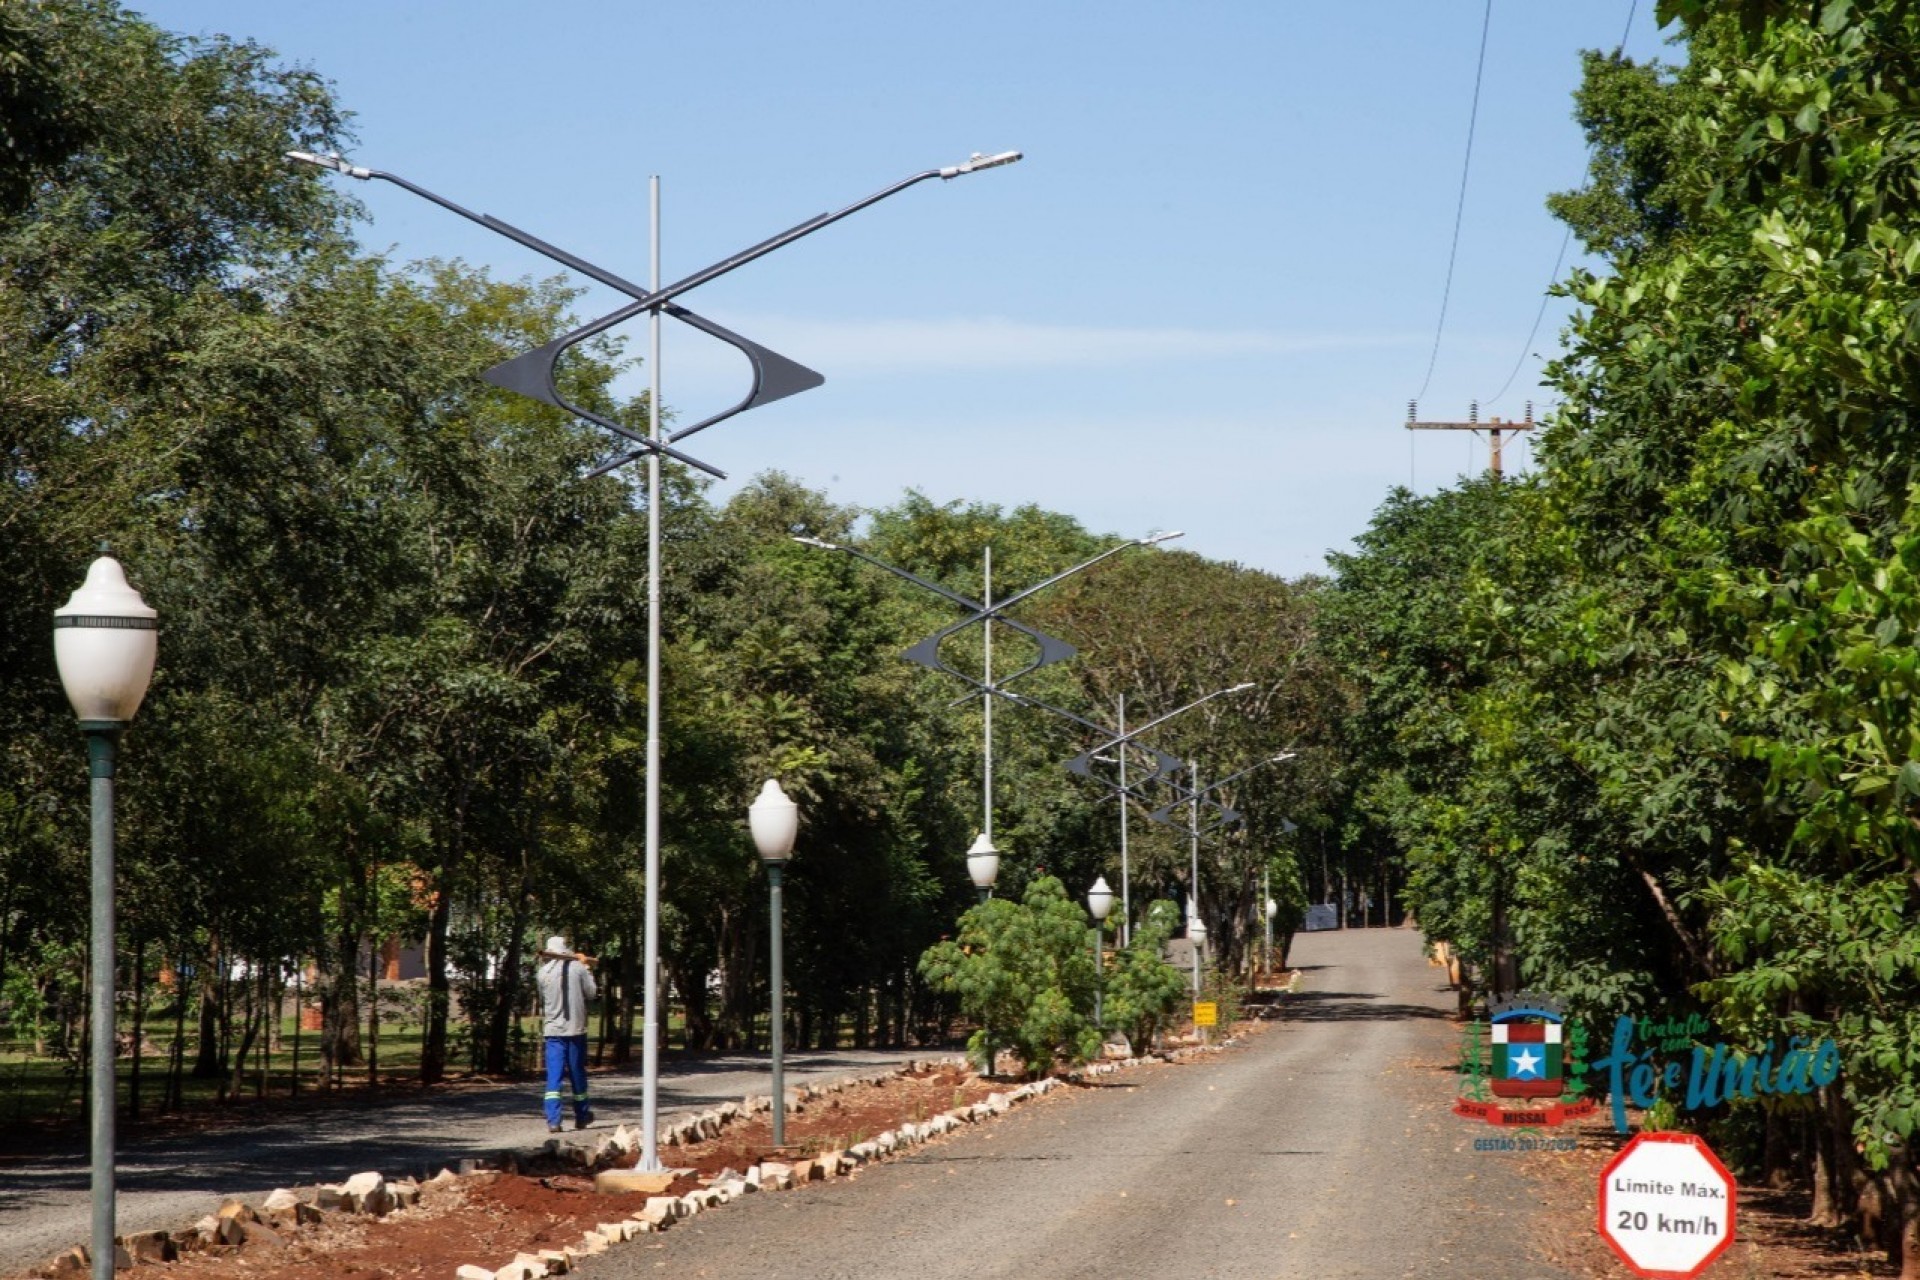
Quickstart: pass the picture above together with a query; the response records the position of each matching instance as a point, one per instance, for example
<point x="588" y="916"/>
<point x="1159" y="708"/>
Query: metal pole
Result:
<point x="1266" y="897"/>
<point x="101" y="750"/>
<point x="1126" y="898"/>
<point x="1193" y="892"/>
<point x="986" y="1029"/>
<point x="986" y="630"/>
<point x="650" y="1033"/>
<point x="1098" y="1020"/>
<point x="774" y="874"/>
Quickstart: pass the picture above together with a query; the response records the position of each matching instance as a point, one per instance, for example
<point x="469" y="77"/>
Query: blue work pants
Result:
<point x="567" y="1065"/>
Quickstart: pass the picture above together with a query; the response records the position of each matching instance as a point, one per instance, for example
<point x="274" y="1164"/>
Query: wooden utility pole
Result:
<point x="1493" y="426"/>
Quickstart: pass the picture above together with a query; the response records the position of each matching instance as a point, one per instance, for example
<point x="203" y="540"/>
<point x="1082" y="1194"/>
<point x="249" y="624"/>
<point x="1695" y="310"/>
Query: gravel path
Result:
<point x="1323" y="1148"/>
<point x="172" y="1181"/>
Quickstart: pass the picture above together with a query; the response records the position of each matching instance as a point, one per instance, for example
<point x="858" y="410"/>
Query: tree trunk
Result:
<point x="506" y="993"/>
<point x="433" y="1050"/>
<point x="249" y="1028"/>
<point x="340" y="1023"/>
<point x="1777" y="1156"/>
<point x="208" y="1064"/>
<point x="630" y="970"/>
<point x="177" y="1057"/>
<point x="1903" y="1182"/>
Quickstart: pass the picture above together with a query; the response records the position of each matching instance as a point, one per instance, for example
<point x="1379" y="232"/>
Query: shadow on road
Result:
<point x="1354" y="1006"/>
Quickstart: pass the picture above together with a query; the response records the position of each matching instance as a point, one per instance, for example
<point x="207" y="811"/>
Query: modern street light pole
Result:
<point x="986" y="703"/>
<point x="774" y="377"/>
<point x="1193" y="797"/>
<point x="105" y="640"/>
<point x="1126" y="869"/>
<point x="1196" y="928"/>
<point x="1117" y="744"/>
<point x="775" y="820"/>
<point x="986" y="612"/>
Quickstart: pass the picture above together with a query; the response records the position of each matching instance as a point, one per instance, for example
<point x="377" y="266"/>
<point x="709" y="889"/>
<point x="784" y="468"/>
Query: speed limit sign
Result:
<point x="1666" y="1206"/>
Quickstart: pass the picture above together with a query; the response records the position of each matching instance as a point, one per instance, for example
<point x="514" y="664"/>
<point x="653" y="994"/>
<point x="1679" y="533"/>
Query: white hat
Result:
<point x="557" y="945"/>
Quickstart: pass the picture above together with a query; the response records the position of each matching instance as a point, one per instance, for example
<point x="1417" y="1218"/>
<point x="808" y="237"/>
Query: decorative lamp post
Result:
<point x="1197" y="935"/>
<point x="775" y="821"/>
<point x="105" y="639"/>
<point x="531" y="374"/>
<point x="1100" y="903"/>
<point x="983" y="864"/>
<point x="1273" y="909"/>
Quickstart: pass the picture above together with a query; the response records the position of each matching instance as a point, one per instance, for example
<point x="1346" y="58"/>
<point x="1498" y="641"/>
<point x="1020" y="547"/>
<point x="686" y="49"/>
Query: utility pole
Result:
<point x="1493" y="426"/>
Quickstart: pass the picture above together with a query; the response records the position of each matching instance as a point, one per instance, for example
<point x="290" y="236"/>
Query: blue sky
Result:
<point x="1202" y="301"/>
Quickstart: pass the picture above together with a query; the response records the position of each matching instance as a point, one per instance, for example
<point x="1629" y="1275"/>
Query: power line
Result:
<point x="1546" y="294"/>
<point x="1460" y="206"/>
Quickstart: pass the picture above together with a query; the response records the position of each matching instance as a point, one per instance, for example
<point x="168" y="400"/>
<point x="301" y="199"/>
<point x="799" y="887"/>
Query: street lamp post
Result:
<point x="105" y="639"/>
<point x="1273" y="907"/>
<point x="1117" y="744"/>
<point x="774" y="377"/>
<point x="986" y="612"/>
<point x="775" y="821"/>
<point x="1099" y="903"/>
<point x="1194" y="796"/>
<point x="983" y="867"/>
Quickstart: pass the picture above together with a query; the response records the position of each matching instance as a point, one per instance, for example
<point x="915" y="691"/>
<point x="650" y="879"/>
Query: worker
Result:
<point x="567" y="990"/>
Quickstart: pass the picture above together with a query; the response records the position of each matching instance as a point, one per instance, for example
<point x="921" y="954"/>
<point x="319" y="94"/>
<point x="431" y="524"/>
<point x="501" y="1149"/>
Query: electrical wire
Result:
<point x="1546" y="295"/>
<point x="1460" y="206"/>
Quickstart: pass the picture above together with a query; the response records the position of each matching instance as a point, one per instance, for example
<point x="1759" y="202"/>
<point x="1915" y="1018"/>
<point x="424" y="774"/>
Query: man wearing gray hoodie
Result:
<point x="567" y="990"/>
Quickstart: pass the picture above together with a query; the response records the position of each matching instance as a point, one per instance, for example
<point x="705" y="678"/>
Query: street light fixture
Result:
<point x="983" y="865"/>
<point x="1082" y="764"/>
<point x="1100" y="904"/>
<point x="774" y="377"/>
<point x="775" y="821"/>
<point x="105" y="641"/>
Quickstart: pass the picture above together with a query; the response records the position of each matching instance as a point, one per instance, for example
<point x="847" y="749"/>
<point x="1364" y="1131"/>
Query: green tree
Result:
<point x="1144" y="994"/>
<point x="1024" y="971"/>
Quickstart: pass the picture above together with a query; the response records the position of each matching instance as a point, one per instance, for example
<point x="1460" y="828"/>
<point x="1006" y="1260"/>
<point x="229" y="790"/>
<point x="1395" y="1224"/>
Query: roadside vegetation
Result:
<point x="1644" y="723"/>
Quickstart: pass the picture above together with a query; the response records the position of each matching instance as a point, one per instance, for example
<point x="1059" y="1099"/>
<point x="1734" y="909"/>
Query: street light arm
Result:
<point x="1217" y="693"/>
<point x="814" y="224"/>
<point x="1017" y="597"/>
<point x="965" y="603"/>
<point x="1283" y="756"/>
<point x="1021" y="699"/>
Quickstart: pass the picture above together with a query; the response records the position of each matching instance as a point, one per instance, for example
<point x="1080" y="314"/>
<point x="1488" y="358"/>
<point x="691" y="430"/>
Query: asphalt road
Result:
<point x="1323" y="1148"/>
<point x="171" y="1181"/>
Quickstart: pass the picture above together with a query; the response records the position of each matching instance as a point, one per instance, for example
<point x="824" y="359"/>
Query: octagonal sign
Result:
<point x="1666" y="1206"/>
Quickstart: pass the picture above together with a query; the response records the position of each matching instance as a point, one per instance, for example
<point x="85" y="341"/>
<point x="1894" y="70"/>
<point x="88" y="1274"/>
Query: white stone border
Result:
<point x="372" y="1194"/>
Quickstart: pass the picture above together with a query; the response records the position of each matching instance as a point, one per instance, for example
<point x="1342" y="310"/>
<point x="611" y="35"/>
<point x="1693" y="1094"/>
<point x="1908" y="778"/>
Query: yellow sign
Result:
<point x="1206" y="1013"/>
